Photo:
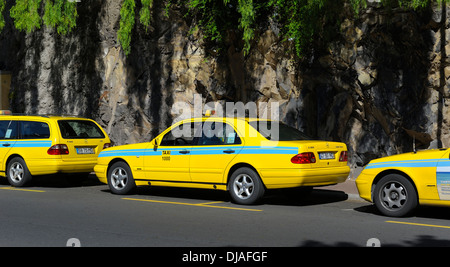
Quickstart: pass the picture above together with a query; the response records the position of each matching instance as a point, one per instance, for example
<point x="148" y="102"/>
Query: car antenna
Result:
<point x="414" y="144"/>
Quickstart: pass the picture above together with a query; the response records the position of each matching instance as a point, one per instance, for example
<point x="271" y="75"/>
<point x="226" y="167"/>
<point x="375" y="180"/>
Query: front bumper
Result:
<point x="364" y="185"/>
<point x="100" y="171"/>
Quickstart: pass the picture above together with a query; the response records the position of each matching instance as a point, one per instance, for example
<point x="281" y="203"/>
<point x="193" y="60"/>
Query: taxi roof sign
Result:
<point x="5" y="112"/>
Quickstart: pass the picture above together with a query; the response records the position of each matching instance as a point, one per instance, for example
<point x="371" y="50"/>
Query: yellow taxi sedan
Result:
<point x="241" y="155"/>
<point x="398" y="184"/>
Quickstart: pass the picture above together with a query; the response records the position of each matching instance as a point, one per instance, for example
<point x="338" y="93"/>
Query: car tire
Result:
<point x="17" y="172"/>
<point x="245" y="186"/>
<point x="395" y="196"/>
<point x="120" y="179"/>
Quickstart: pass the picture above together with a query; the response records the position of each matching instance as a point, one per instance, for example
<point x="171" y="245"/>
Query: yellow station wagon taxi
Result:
<point x="397" y="184"/>
<point x="39" y="145"/>
<point x="235" y="154"/>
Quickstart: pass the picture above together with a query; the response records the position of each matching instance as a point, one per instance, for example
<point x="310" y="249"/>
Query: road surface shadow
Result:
<point x="298" y="197"/>
<point x="285" y="197"/>
<point x="429" y="212"/>
<point x="59" y="181"/>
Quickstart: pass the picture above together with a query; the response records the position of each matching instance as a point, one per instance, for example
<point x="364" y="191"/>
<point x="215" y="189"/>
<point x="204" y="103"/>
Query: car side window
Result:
<point x="8" y="130"/>
<point x="182" y="135"/>
<point x="34" y="130"/>
<point x="218" y="133"/>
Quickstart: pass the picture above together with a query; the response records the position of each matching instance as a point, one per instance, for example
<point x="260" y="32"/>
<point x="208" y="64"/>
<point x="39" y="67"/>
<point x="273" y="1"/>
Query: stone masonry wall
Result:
<point x="381" y="84"/>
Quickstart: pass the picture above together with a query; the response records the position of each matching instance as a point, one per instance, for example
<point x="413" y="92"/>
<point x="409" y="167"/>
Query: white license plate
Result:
<point x="85" y="150"/>
<point x="326" y="155"/>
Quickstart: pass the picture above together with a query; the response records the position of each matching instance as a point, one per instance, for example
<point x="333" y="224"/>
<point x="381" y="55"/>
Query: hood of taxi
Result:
<point x="419" y="155"/>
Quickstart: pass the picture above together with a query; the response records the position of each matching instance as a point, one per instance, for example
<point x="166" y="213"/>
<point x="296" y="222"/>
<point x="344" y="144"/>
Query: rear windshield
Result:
<point x="73" y="129"/>
<point x="277" y="131"/>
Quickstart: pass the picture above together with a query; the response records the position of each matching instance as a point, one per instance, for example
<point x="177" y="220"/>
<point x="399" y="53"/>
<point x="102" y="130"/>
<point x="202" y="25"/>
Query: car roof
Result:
<point x="37" y="116"/>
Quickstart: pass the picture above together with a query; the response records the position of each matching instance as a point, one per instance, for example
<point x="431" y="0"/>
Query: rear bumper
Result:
<point x="285" y="178"/>
<point x="59" y="166"/>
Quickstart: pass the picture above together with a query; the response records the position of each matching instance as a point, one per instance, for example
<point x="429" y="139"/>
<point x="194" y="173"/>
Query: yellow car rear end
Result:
<point x="40" y="145"/>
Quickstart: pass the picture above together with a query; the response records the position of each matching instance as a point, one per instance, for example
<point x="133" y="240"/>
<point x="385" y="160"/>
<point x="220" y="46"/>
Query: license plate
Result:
<point x="85" y="150"/>
<point x="326" y="155"/>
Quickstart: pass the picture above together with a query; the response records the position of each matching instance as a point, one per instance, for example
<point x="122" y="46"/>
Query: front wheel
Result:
<point x="245" y="186"/>
<point x="120" y="179"/>
<point x="395" y="196"/>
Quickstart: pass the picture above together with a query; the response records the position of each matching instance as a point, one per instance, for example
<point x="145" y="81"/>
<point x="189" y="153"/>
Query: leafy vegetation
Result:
<point x="25" y="15"/>
<point x="300" y="21"/>
<point x="2" y="19"/>
<point x="60" y="14"/>
<point x="126" y="24"/>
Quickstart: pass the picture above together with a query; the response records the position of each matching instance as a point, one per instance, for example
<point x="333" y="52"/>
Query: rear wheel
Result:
<point x="395" y="196"/>
<point x="120" y="178"/>
<point x="17" y="172"/>
<point x="245" y="186"/>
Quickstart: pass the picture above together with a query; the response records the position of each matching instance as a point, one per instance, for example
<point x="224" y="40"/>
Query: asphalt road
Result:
<point x="52" y="211"/>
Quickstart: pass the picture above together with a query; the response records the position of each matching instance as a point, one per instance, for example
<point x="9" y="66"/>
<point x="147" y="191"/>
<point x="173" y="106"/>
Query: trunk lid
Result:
<point x="327" y="153"/>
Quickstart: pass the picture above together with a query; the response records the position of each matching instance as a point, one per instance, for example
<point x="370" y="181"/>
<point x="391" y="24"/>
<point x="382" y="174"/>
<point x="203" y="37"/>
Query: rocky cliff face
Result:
<point x="377" y="86"/>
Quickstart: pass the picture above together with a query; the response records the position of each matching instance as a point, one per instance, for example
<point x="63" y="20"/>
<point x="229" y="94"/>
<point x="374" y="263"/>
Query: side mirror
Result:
<point x="155" y="143"/>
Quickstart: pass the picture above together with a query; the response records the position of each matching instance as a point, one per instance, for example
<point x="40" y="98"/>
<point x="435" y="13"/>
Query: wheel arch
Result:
<point x="10" y="157"/>
<point x="392" y="171"/>
<point x="111" y="162"/>
<point x="240" y="165"/>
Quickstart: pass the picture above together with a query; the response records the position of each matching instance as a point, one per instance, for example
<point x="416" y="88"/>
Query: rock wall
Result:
<point x="381" y="83"/>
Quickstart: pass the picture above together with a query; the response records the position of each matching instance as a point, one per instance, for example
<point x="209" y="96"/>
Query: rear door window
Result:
<point x="34" y="130"/>
<point x="79" y="129"/>
<point x="218" y="133"/>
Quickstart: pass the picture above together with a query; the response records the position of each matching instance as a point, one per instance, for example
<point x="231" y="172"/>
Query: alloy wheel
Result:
<point x="119" y="178"/>
<point x="243" y="186"/>
<point x="16" y="172"/>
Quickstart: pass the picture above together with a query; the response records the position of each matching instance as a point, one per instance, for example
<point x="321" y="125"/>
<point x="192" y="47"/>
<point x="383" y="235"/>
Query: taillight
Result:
<point x="343" y="157"/>
<point x="58" y="150"/>
<point x="106" y="145"/>
<point x="304" y="158"/>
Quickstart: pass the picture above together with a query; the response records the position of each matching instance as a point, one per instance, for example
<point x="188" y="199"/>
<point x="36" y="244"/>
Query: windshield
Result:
<point x="278" y="131"/>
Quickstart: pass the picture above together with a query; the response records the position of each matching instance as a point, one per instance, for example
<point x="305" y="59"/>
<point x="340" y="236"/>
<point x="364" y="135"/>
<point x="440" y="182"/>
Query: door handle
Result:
<point x="184" y="152"/>
<point x="6" y="145"/>
<point x="229" y="151"/>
